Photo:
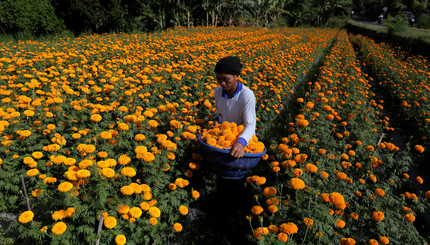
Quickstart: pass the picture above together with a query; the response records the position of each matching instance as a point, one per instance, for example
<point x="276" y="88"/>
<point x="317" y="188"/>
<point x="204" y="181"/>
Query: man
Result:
<point x="234" y="102"/>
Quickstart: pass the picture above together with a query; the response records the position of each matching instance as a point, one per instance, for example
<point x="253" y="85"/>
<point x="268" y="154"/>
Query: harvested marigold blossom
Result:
<point x="26" y="217"/>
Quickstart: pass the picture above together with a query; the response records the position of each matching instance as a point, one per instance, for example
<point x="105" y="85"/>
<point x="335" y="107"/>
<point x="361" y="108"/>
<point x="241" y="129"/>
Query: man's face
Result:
<point x="228" y="82"/>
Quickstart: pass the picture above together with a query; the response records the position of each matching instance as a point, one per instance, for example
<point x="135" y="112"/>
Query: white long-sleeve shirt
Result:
<point x="240" y="108"/>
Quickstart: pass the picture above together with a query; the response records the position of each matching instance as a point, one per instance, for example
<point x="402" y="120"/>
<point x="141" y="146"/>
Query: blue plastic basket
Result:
<point x="230" y="167"/>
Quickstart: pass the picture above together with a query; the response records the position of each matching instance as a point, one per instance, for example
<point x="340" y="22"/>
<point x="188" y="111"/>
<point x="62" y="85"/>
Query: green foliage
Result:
<point x="396" y="24"/>
<point x="423" y="21"/>
<point x="28" y="17"/>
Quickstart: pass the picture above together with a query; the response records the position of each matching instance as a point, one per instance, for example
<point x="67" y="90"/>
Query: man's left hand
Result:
<point x="237" y="150"/>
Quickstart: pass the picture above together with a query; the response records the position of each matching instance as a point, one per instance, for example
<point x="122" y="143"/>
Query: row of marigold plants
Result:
<point x="331" y="177"/>
<point x="100" y="130"/>
<point x="404" y="80"/>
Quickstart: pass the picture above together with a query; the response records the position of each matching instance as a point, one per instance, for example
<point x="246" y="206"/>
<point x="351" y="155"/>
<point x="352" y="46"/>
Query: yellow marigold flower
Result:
<point x="148" y="157"/>
<point x="135" y="212"/>
<point x="26" y="217"/>
<point x="127" y="190"/>
<point x="83" y="174"/>
<point x="139" y="137"/>
<point x="59" y="228"/>
<point x="108" y="172"/>
<point x="59" y="215"/>
<point x="183" y="210"/>
<point x="120" y="239"/>
<point x="50" y="180"/>
<point x="124" y="159"/>
<point x="43" y="229"/>
<point x="154" y="212"/>
<point x="153" y="123"/>
<point x="70" y="211"/>
<point x="140" y="150"/>
<point x="106" y="135"/>
<point x="128" y="172"/>
<point x="32" y="172"/>
<point x="96" y="118"/>
<point x="177" y="227"/>
<point x="195" y="194"/>
<point x="110" y="222"/>
<point x="37" y="154"/>
<point x="65" y="186"/>
<point x="144" y="206"/>
<point x="86" y="163"/>
<point x="123" y="127"/>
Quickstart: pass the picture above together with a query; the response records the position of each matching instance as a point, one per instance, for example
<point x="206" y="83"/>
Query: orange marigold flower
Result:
<point x="419" y="148"/>
<point x="59" y="228"/>
<point x="154" y="212"/>
<point x="377" y="216"/>
<point x="26" y="217"/>
<point x="410" y="217"/>
<point x="288" y="228"/>
<point x="256" y="210"/>
<point x="65" y="186"/>
<point x="96" y="118"/>
<point x="379" y="192"/>
<point x="110" y="222"/>
<point x="177" y="227"/>
<point x="384" y="240"/>
<point x="135" y="212"/>
<point x="282" y="237"/>
<point x="260" y="232"/>
<point x="120" y="239"/>
<point x="297" y="184"/>
<point x="269" y="191"/>
<point x="347" y="241"/>
<point x="340" y="223"/>
<point x="195" y="194"/>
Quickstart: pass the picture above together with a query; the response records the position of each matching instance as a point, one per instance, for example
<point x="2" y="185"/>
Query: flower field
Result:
<point x="99" y="136"/>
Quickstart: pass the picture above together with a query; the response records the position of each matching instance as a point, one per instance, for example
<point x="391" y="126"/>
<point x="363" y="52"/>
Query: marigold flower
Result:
<point x="43" y="229"/>
<point x="128" y="172"/>
<point x="256" y="210"/>
<point x="384" y="240"/>
<point x="183" y="210"/>
<point x="377" y="216"/>
<point x="83" y="173"/>
<point x="288" y="228"/>
<point x="65" y="186"/>
<point x="32" y="172"/>
<point x="419" y="148"/>
<point x="127" y="190"/>
<point x="26" y="217"/>
<point x="269" y="191"/>
<point x="135" y="212"/>
<point x="154" y="212"/>
<point x="195" y="194"/>
<point x="110" y="222"/>
<point x="59" y="228"/>
<point x="272" y="228"/>
<point x="96" y="118"/>
<point x="379" y="192"/>
<point x="120" y="239"/>
<point x="153" y="221"/>
<point x="311" y="168"/>
<point x="309" y="222"/>
<point x="260" y="232"/>
<point x="297" y="184"/>
<point x="272" y="208"/>
<point x="177" y="227"/>
<point x="340" y="223"/>
<point x="347" y="241"/>
<point x="410" y="217"/>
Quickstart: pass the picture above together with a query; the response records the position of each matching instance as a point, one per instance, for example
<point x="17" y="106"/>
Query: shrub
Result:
<point x="396" y="24"/>
<point x="423" y="21"/>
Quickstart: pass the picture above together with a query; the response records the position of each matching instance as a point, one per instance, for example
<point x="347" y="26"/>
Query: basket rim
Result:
<point x="251" y="155"/>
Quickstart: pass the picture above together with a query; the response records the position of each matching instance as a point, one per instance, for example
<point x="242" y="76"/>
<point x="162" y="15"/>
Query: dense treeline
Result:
<point x="40" y="17"/>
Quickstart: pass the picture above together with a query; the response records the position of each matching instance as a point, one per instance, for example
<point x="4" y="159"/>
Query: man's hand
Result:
<point x="214" y="123"/>
<point x="237" y="150"/>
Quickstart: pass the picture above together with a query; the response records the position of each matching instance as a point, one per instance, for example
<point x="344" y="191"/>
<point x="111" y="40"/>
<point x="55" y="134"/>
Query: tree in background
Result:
<point x="36" y="17"/>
